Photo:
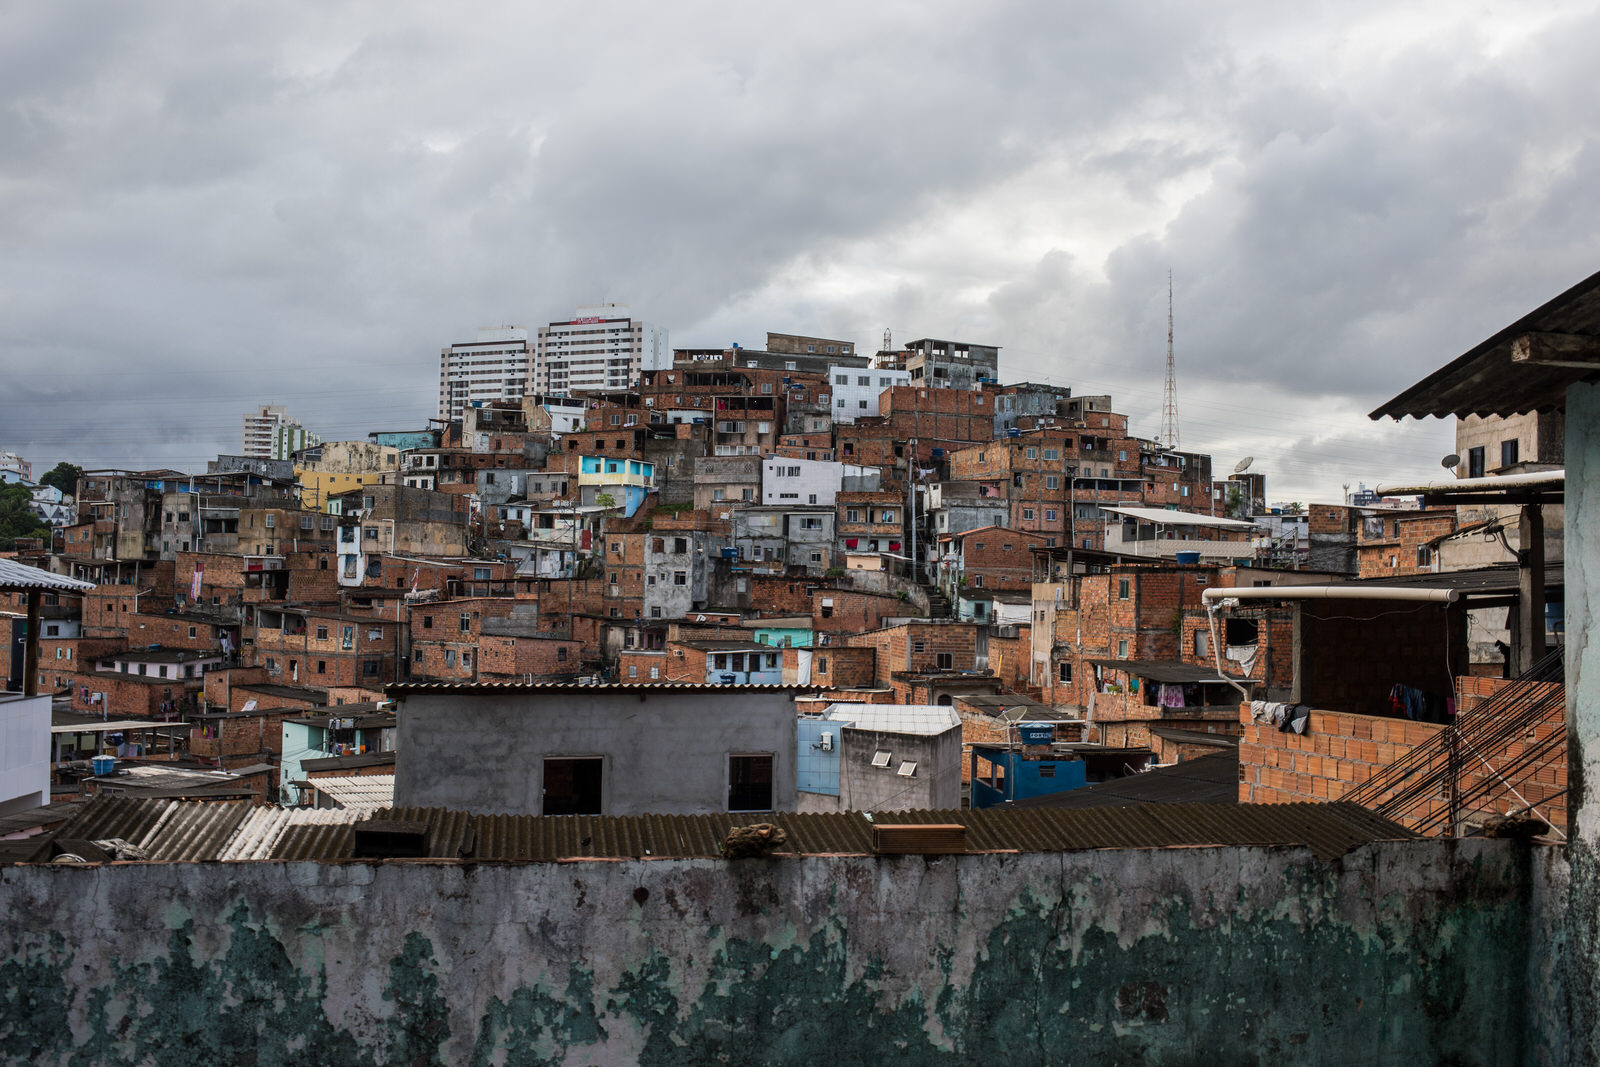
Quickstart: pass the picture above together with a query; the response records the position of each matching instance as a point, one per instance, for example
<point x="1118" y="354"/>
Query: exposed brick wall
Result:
<point x="255" y="736"/>
<point x="1339" y="751"/>
<point x="852" y="612"/>
<point x="842" y="667"/>
<point x="1355" y="652"/>
<point x="1404" y="532"/>
<point x="917" y="647"/>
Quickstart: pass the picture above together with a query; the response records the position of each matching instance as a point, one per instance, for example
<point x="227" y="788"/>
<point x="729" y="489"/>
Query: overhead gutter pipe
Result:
<point x="1330" y="592"/>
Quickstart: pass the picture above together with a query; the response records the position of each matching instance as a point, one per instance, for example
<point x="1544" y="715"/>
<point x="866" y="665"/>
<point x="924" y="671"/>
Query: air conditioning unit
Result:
<point x="825" y="741"/>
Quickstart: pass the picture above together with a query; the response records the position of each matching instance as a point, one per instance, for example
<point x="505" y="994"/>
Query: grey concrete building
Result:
<point x="890" y="757"/>
<point x="952" y="364"/>
<point x="595" y="750"/>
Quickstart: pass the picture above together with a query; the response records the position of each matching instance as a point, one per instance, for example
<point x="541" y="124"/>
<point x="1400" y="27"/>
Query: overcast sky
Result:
<point x="206" y="207"/>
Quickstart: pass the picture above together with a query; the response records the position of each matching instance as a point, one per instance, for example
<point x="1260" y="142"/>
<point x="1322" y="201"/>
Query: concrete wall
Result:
<point x="863" y="787"/>
<point x="1407" y="953"/>
<point x="24" y="752"/>
<point x="1582" y="938"/>
<point x="665" y="751"/>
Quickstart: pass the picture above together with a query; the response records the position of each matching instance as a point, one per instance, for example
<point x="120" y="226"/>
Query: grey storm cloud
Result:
<point x="208" y="208"/>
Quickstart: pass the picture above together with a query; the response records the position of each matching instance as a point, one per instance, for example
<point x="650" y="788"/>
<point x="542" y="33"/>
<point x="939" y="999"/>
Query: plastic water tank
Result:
<point x="104" y="764"/>
<point x="1188" y="557"/>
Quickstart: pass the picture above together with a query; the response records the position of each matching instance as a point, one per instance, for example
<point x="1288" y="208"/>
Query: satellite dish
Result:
<point x="1450" y="462"/>
<point x="1243" y="465"/>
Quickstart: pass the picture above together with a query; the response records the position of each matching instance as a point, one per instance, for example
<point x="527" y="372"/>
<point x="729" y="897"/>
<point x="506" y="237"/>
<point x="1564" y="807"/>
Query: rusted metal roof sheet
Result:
<point x="1484" y="381"/>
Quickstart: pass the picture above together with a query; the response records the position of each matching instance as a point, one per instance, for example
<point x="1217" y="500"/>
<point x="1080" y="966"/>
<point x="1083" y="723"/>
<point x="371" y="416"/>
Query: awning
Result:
<point x="1166" y="517"/>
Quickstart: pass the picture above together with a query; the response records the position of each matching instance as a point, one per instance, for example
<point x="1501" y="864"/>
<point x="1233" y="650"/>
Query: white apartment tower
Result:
<point x="494" y="367"/>
<point x="269" y="433"/>
<point x="601" y="348"/>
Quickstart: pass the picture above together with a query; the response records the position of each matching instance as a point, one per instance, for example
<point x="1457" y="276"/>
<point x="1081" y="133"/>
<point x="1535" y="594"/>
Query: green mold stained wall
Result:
<point x="1403" y="953"/>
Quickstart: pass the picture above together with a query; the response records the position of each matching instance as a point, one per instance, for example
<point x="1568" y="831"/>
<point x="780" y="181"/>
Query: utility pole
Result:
<point x="1169" y="395"/>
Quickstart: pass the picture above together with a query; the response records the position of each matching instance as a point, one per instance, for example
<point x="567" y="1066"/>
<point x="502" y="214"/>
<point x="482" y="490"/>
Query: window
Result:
<point x="1051" y="481"/>
<point x="466" y="658"/>
<point x="889" y="515"/>
<point x="305" y="522"/>
<point x="371" y="533"/>
<point x="561" y="654"/>
<point x="816" y="557"/>
<point x="271" y="520"/>
<point x="680" y="578"/>
<point x="1050" y="515"/>
<point x="1475" y="462"/>
<point x="1122" y="649"/>
<point x="841" y="379"/>
<point x="750" y="783"/>
<point x="327" y="522"/>
<point x="1508" y="453"/>
<point x="880" y="758"/>
<point x="1032" y="452"/>
<point x="1027" y="513"/>
<point x="919" y="646"/>
<point x="1122" y="589"/>
<point x="1051" y="453"/>
<point x="1202" y="643"/>
<point x="864" y="379"/>
<point x="944" y="660"/>
<point x="573" y="786"/>
<point x="852" y="515"/>
<point x="908" y="769"/>
<point x="322" y="664"/>
<point x="449" y="657"/>
<point x="322" y="633"/>
<point x="1240" y="632"/>
<point x="427" y="622"/>
<point x="655" y="611"/>
<point x="1063" y="672"/>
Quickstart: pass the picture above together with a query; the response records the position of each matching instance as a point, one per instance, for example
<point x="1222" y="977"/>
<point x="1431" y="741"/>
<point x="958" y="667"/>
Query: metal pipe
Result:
<point x="1333" y="592"/>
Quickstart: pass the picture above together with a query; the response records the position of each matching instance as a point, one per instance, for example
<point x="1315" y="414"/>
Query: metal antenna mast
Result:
<point x="1169" y="396"/>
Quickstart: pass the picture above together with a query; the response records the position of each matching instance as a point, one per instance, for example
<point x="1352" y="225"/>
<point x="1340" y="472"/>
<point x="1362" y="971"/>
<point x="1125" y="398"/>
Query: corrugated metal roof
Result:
<point x="176" y="831"/>
<point x="362" y="792"/>
<point x="17" y="577"/>
<point x="1484" y="380"/>
<point x="1210" y="779"/>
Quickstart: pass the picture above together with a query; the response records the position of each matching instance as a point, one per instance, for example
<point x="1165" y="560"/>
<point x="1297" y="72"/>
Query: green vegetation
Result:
<point x="64" y="476"/>
<point x="17" y="518"/>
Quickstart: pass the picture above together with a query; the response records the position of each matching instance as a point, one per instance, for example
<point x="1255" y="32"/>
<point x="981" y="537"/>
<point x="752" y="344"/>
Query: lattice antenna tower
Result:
<point x="1169" y="395"/>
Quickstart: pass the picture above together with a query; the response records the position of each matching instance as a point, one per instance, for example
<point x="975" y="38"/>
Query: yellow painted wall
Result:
<point x="316" y="487"/>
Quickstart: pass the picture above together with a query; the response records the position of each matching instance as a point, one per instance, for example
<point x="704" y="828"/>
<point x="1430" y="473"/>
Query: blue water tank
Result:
<point x="104" y="764"/>
<point x="1189" y="558"/>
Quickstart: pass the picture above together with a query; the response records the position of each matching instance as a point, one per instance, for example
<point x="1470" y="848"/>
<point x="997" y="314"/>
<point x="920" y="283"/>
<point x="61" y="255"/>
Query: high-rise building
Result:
<point x="494" y="367"/>
<point x="269" y="433"/>
<point x="602" y="348"/>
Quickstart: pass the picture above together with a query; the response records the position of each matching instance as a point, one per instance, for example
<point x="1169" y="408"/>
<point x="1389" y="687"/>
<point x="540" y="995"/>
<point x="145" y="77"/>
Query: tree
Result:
<point x="64" y="476"/>
<point x="605" y="500"/>
<point x="17" y="518"/>
<point x="1294" y="508"/>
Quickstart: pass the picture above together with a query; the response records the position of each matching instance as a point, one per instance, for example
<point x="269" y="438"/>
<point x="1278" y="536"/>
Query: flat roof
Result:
<point x="1168" y="517"/>
<point x="924" y="719"/>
